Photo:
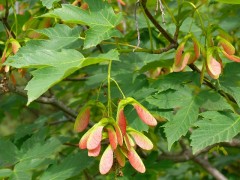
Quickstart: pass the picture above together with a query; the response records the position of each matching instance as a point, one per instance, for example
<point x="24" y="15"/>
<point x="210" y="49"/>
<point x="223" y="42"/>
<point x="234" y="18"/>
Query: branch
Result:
<point x="209" y="168"/>
<point x="46" y="100"/>
<point x="156" y="24"/>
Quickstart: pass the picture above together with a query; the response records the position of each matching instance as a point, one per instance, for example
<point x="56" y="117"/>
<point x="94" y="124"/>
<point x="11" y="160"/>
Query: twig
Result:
<point x="156" y="24"/>
<point x="5" y="21"/>
<point x="137" y="26"/>
<point x="209" y="168"/>
<point x="46" y="100"/>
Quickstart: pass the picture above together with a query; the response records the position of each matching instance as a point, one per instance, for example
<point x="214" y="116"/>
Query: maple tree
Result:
<point x="119" y="89"/>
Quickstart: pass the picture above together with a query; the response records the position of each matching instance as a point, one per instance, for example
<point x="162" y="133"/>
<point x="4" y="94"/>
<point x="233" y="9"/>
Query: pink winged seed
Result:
<point x="120" y="157"/>
<point x="112" y="138"/>
<point x="95" y="152"/>
<point x="145" y="116"/>
<point x="227" y="46"/>
<point x="106" y="161"/>
<point x="83" y="141"/>
<point x="179" y="53"/>
<point x="136" y="161"/>
<point x="119" y="135"/>
<point x="214" y="68"/>
<point x="231" y="57"/>
<point x="122" y="122"/>
<point x="183" y="63"/>
<point x="141" y="140"/>
<point x="95" y="138"/>
<point x="82" y="120"/>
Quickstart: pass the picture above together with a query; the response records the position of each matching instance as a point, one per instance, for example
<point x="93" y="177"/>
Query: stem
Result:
<point x="118" y="87"/>
<point x="109" y="89"/>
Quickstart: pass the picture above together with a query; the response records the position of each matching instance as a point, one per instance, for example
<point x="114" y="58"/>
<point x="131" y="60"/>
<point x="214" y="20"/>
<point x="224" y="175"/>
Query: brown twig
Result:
<point x="155" y="23"/>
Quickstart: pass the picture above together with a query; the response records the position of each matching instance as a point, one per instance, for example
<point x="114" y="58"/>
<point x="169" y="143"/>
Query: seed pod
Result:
<point x="121" y="119"/>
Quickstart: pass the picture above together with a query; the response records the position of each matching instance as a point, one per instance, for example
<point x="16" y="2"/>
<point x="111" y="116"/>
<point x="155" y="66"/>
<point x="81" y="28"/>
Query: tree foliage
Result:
<point x="94" y="89"/>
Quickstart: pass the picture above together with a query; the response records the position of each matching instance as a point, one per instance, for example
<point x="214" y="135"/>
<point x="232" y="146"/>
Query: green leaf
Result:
<point x="21" y="175"/>
<point x="181" y="122"/>
<point x="8" y="153"/>
<point x="212" y="101"/>
<point x="5" y="173"/>
<point x="69" y="167"/>
<point x="40" y="149"/>
<point x="100" y="17"/>
<point x="230" y="80"/>
<point x="229" y="1"/>
<point x="53" y="66"/>
<point x="214" y="128"/>
<point x="48" y="3"/>
<point x="170" y="99"/>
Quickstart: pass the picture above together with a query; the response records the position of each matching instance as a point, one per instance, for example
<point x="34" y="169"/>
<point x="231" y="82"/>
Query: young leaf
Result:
<point x="136" y="161"/>
<point x="106" y="161"/>
<point x="82" y="119"/>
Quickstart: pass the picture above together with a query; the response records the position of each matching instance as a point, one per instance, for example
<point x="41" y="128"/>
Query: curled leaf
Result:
<point x="106" y="161"/>
<point x="145" y="115"/>
<point x="82" y="120"/>
<point x="141" y="140"/>
<point x="136" y="161"/>
<point x="95" y="137"/>
<point x="94" y="152"/>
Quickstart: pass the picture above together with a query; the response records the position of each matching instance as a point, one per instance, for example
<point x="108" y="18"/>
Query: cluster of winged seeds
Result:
<point x="121" y="139"/>
<point x="211" y="54"/>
